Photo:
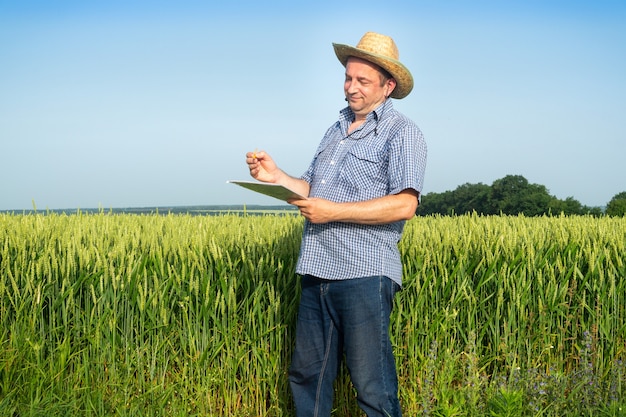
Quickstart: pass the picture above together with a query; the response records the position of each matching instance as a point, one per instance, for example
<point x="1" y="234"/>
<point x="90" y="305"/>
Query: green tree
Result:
<point x="617" y="205"/>
<point x="469" y="198"/>
<point x="593" y="211"/>
<point x="466" y="198"/>
<point x="514" y="195"/>
<point x="437" y="203"/>
<point x="568" y="206"/>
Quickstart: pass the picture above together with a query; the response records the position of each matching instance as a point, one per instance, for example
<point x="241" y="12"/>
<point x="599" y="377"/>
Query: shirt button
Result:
<point x="332" y="162"/>
<point x="323" y="181"/>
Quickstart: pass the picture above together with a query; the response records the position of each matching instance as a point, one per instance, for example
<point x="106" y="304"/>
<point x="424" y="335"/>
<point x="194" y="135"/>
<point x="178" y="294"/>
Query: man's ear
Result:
<point x="391" y="85"/>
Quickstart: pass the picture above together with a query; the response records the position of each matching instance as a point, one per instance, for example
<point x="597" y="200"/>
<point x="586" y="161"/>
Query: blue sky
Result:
<point x="139" y="104"/>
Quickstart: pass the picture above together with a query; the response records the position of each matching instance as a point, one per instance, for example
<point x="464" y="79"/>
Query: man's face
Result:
<point x="363" y="86"/>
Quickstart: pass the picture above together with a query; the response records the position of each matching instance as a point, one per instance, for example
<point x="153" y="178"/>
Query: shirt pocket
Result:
<point x="363" y="171"/>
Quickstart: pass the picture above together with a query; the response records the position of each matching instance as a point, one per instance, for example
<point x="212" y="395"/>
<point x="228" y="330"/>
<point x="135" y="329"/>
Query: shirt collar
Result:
<point x="347" y="115"/>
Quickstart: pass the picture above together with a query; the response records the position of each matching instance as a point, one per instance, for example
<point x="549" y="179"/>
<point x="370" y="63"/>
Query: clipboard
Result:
<point x="273" y="190"/>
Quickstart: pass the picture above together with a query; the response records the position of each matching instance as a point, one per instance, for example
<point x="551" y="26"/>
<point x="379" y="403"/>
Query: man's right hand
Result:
<point x="262" y="167"/>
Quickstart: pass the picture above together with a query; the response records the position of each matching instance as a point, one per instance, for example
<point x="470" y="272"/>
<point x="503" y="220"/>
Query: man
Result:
<point x="363" y="184"/>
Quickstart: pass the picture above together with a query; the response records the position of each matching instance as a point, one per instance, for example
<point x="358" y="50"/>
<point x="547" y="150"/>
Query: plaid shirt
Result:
<point x="386" y="155"/>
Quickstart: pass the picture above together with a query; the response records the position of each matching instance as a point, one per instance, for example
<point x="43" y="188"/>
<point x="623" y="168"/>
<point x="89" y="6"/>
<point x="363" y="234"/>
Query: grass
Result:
<point x="149" y="315"/>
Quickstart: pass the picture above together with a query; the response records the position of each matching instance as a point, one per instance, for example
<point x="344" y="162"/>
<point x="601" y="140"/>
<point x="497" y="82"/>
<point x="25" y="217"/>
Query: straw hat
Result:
<point x="382" y="51"/>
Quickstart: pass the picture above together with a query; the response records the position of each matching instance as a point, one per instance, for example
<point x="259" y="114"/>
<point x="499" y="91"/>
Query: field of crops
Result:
<point x="178" y="315"/>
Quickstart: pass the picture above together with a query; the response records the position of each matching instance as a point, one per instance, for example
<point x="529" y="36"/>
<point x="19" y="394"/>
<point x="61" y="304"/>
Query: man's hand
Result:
<point x="262" y="167"/>
<point x="316" y="210"/>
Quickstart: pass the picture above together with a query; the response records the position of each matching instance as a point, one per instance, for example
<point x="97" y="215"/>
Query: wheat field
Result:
<point x="178" y="315"/>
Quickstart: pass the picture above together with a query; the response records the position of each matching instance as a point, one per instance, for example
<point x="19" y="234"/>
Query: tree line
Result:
<point x="512" y="195"/>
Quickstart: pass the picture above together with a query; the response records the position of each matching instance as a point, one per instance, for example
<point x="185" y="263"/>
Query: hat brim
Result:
<point x="403" y="77"/>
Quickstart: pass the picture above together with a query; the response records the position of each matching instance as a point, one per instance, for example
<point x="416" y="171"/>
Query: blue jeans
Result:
<point x="351" y="317"/>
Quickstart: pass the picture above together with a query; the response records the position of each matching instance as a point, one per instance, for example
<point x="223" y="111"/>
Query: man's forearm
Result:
<point x="387" y="209"/>
<point x="383" y="210"/>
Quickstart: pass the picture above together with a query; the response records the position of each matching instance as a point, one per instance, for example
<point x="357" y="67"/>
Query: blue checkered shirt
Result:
<point x="386" y="155"/>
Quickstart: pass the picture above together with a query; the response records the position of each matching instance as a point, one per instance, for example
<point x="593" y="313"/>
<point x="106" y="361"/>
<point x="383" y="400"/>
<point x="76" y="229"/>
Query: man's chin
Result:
<point x="354" y="105"/>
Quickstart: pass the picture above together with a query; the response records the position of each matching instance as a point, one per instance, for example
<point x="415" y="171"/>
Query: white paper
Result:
<point x="272" y="190"/>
